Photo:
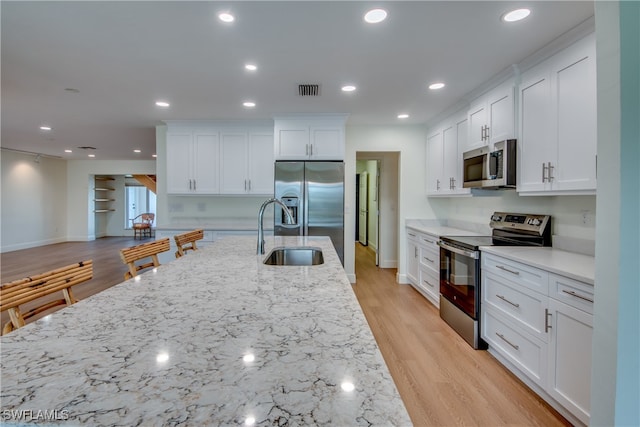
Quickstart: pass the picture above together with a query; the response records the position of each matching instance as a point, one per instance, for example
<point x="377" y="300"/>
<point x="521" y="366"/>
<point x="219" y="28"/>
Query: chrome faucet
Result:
<point x="289" y="220"/>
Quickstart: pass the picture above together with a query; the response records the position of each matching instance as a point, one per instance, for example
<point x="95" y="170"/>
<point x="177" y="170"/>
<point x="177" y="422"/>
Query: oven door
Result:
<point x="459" y="278"/>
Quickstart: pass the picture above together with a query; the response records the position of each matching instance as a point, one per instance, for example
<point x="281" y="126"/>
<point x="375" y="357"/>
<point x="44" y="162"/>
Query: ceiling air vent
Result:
<point x="308" y="90"/>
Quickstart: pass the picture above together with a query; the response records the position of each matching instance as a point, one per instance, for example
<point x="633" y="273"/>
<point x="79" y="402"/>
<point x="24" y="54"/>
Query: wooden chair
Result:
<point x="187" y="241"/>
<point x="146" y="250"/>
<point x="18" y="292"/>
<point x="142" y="225"/>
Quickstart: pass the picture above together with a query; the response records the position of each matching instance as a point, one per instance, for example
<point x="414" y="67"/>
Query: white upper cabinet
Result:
<point x="192" y="162"/>
<point x="310" y="138"/>
<point x="491" y="117"/>
<point x="219" y="159"/>
<point x="444" y="157"/>
<point x="246" y="165"/>
<point x="558" y="135"/>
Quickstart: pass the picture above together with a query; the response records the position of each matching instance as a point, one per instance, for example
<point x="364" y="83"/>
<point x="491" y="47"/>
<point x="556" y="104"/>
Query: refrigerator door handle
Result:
<point x="305" y="217"/>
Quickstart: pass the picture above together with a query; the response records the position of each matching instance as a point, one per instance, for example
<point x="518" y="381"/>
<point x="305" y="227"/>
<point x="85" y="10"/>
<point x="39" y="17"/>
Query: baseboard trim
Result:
<point x="389" y="264"/>
<point x="352" y="278"/>
<point x="402" y="279"/>
<point x="28" y="245"/>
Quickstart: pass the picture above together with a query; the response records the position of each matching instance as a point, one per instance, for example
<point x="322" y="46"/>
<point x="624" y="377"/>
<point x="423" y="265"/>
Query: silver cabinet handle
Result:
<point x="550" y="168"/>
<point x="249" y="185"/>
<point x="547" y="326"/>
<point x="189" y="184"/>
<point x="573" y="294"/>
<point x="507" y="301"/>
<point x="430" y="260"/>
<point x="194" y="185"/>
<point x="415" y="252"/>
<point x="544" y="173"/>
<point x="412" y="235"/>
<point x="517" y="347"/>
<point x="245" y="185"/>
<point x="517" y="273"/>
<point x="311" y="149"/>
<point x="427" y="283"/>
<point x="431" y="242"/>
<point x="437" y="184"/>
<point x="453" y="183"/>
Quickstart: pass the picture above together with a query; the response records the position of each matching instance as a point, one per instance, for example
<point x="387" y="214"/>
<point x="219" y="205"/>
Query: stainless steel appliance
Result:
<point x="484" y="168"/>
<point x="314" y="193"/>
<point x="460" y="267"/>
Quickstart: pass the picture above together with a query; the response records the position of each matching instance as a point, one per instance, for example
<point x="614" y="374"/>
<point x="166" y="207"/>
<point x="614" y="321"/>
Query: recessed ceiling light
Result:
<point x="348" y="88"/>
<point x="137" y="151"/>
<point x="435" y="86"/>
<point x="403" y="116"/>
<point x="45" y="128"/>
<point x="375" y="15"/>
<point x="163" y="104"/>
<point x="68" y="151"/>
<point x="154" y="155"/>
<point x="516" y="15"/>
<point x="249" y="104"/>
<point x="226" y="17"/>
<point x="91" y="155"/>
<point x="251" y="67"/>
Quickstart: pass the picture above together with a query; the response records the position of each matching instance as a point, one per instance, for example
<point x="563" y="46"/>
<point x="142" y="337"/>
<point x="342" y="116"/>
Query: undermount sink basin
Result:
<point x="300" y="255"/>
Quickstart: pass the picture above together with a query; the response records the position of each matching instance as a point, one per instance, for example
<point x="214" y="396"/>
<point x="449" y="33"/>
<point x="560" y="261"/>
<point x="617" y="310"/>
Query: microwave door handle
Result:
<point x="470" y="254"/>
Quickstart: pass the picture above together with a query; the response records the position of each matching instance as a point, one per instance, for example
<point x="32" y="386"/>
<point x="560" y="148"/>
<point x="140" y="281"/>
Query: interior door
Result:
<point x="363" y="214"/>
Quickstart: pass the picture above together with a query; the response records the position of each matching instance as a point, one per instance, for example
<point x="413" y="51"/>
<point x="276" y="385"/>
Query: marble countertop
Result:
<point x="213" y="338"/>
<point x="575" y="266"/>
<point x="436" y="229"/>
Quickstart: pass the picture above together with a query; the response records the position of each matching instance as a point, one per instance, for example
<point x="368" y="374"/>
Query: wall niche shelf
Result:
<point x="102" y="202"/>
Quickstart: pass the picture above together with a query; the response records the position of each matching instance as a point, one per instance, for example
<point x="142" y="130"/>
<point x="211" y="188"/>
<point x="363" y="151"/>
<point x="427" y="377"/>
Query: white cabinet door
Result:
<point x="575" y="97"/>
<point x="179" y="168"/>
<point x="206" y="160"/>
<point x="449" y="158"/>
<point x="292" y="143"/>
<point x="261" y="163"/>
<point x="326" y="143"/>
<point x="434" y="163"/>
<point x="477" y="120"/>
<point x="535" y="145"/>
<point x="570" y="358"/>
<point x="500" y="119"/>
<point x="413" y="262"/>
<point x="233" y="163"/>
<point x="462" y="134"/>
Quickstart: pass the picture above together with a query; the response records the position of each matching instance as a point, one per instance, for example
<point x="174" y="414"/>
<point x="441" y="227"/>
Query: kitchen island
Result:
<point x="213" y="338"/>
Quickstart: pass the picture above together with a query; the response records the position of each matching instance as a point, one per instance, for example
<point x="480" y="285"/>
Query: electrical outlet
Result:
<point x="586" y="217"/>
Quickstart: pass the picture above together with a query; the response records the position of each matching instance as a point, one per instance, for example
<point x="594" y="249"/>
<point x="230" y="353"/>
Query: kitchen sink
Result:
<point x="299" y="255"/>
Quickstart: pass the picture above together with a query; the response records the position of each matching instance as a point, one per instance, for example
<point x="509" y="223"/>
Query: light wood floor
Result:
<point x="442" y="380"/>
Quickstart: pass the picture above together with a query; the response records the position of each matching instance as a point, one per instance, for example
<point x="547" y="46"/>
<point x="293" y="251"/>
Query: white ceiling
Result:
<point x="123" y="56"/>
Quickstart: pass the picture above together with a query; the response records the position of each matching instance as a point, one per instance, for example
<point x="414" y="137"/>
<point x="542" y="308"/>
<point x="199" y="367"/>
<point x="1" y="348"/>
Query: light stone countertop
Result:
<point x="575" y="266"/>
<point x="169" y="347"/>
<point x="438" y="230"/>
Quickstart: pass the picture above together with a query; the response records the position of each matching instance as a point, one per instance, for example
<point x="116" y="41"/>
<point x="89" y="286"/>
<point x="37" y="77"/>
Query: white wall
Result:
<point x="33" y="201"/>
<point x="80" y="183"/>
<point x="409" y="142"/>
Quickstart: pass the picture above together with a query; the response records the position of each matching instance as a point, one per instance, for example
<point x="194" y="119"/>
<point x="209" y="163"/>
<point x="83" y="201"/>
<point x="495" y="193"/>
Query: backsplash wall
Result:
<point x="572" y="216"/>
<point x="203" y="210"/>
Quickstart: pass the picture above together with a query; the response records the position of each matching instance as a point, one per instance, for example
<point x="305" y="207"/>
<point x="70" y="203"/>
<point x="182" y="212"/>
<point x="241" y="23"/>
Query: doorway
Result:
<point x="376" y="202"/>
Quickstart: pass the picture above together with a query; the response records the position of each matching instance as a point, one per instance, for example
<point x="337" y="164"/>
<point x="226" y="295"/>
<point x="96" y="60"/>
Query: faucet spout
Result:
<point x="289" y="220"/>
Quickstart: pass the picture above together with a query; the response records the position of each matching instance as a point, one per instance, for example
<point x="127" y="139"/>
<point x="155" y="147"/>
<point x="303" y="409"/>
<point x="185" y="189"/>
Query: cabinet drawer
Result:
<point x="572" y="292"/>
<point x="430" y="259"/>
<point x="430" y="283"/>
<point x="518" y="303"/>
<point x="412" y="235"/>
<point x="528" y="354"/>
<point x="522" y="274"/>
<point x="429" y="241"/>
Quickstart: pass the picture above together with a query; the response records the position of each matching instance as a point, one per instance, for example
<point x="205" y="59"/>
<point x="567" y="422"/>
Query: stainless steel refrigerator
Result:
<point x="314" y="193"/>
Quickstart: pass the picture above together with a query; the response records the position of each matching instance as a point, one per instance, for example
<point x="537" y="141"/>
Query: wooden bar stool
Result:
<point x="18" y="292"/>
<point x="146" y="250"/>
<point x="187" y="241"/>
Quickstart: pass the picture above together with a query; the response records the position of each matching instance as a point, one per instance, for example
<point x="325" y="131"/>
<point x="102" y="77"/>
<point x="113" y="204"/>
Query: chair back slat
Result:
<point x="146" y="250"/>
<point x="22" y="291"/>
<point x="187" y="241"/>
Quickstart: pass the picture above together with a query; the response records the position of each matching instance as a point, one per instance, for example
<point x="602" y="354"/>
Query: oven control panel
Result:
<point x="522" y="222"/>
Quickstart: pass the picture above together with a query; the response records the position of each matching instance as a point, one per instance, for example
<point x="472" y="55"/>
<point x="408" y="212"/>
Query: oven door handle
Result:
<point x="470" y="254"/>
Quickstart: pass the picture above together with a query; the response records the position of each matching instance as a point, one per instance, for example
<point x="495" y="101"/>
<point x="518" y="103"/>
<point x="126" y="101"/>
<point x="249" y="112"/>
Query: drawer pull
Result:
<point x="412" y="235"/>
<point x="430" y="260"/>
<point x="517" y="347"/>
<point x="507" y="301"/>
<point x="427" y="283"/>
<point x="431" y="242"/>
<point x="573" y="294"/>
<point x="517" y="273"/>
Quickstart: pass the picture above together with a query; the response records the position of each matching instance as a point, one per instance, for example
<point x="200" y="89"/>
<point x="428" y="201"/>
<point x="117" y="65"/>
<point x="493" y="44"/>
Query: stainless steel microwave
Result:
<point x="486" y="168"/>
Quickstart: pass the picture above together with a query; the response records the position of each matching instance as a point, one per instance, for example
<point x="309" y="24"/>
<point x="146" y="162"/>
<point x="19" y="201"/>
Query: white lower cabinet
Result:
<point x="541" y="324"/>
<point x="423" y="264"/>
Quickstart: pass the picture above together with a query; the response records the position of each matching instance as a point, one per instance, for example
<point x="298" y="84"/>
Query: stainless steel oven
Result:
<point x="460" y="267"/>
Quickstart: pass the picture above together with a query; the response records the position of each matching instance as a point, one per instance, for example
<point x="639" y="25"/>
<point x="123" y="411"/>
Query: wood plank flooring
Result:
<point x="442" y="380"/>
